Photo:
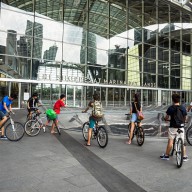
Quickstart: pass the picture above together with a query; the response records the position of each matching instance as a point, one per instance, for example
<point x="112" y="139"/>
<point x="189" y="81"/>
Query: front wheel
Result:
<point x="179" y="152"/>
<point x="85" y="130"/>
<point x="14" y="132"/>
<point x="102" y="137"/>
<point x="140" y="136"/>
<point x="32" y="128"/>
<point x="189" y="136"/>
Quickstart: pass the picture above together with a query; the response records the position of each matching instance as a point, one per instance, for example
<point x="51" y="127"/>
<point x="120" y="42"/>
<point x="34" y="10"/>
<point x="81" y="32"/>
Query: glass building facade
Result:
<point x="78" y="47"/>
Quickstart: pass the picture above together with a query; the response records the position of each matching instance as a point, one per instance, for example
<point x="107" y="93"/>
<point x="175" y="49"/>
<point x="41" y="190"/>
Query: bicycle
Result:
<point x="189" y="135"/>
<point x="34" y="126"/>
<point x="139" y="132"/>
<point x="99" y="133"/>
<point x="14" y="131"/>
<point x="178" y="148"/>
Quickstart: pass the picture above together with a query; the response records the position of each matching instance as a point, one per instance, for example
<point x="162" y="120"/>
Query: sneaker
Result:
<point x="3" y="137"/>
<point x="164" y="157"/>
<point x="185" y="158"/>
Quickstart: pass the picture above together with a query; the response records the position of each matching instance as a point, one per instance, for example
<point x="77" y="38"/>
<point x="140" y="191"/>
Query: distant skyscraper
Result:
<point x="51" y="53"/>
<point x="37" y="38"/>
<point x="92" y="52"/>
<point x="23" y="51"/>
<point x="11" y="49"/>
<point x="34" y="35"/>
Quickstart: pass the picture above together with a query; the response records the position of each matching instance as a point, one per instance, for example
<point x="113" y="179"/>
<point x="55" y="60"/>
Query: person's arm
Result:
<point x="131" y="109"/>
<point x="84" y="111"/>
<point x="28" y="107"/>
<point x="5" y="107"/>
<point x="189" y="107"/>
<point x="166" y="117"/>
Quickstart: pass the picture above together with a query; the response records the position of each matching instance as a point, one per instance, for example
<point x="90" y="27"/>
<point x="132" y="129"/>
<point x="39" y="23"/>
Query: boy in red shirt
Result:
<point x="57" y="108"/>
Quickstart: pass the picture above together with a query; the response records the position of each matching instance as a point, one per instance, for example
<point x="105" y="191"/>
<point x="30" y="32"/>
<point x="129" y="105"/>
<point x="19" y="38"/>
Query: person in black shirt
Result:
<point x="135" y="106"/>
<point x="32" y="103"/>
<point x="172" y="131"/>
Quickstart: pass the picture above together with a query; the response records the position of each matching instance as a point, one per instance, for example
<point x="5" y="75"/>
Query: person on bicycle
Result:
<point x="57" y="108"/>
<point x="135" y="106"/>
<point x="32" y="104"/>
<point x="172" y="131"/>
<point x="92" y="118"/>
<point x="189" y="108"/>
<point x="5" y="107"/>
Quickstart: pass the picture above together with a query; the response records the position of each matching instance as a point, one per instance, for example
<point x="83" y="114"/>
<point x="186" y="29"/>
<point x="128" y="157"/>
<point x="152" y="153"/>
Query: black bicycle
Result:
<point x="139" y="132"/>
<point x="189" y="135"/>
<point x="99" y="133"/>
<point x="14" y="131"/>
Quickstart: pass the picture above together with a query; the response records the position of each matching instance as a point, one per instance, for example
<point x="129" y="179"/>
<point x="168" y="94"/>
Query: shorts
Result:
<point x="134" y="118"/>
<point x="51" y="119"/>
<point x="1" y="115"/>
<point x="172" y="132"/>
<point x="91" y="122"/>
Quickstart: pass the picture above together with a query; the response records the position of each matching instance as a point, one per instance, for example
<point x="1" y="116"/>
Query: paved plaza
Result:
<point x="63" y="163"/>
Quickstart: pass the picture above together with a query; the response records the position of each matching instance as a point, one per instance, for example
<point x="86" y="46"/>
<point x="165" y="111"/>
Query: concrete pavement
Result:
<point x="52" y="163"/>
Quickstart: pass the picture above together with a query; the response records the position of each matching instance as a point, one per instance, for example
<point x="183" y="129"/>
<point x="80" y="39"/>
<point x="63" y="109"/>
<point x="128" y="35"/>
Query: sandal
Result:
<point x="88" y="144"/>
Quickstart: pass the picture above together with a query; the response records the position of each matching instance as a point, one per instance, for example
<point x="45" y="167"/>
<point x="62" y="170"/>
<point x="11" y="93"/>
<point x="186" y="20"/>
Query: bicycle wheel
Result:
<point x="85" y="130"/>
<point x="102" y="137"/>
<point x="128" y="133"/>
<point x="179" y="152"/>
<point x="140" y="136"/>
<point x="14" y="132"/>
<point x="189" y="135"/>
<point x="32" y="128"/>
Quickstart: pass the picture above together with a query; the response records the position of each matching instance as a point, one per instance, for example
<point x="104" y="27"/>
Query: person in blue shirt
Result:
<point x="5" y="107"/>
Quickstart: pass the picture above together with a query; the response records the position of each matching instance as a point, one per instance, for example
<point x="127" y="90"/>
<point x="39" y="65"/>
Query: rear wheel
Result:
<point x="102" y="137"/>
<point x="179" y="152"/>
<point x="85" y="130"/>
<point x="14" y="132"/>
<point x="32" y="128"/>
<point x="189" y="135"/>
<point x="140" y="136"/>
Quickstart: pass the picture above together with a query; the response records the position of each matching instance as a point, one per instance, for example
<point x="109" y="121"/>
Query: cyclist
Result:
<point x="57" y="108"/>
<point x="32" y="103"/>
<point x="92" y="118"/>
<point x="189" y="108"/>
<point x="5" y="107"/>
<point x="172" y="131"/>
<point x="135" y="105"/>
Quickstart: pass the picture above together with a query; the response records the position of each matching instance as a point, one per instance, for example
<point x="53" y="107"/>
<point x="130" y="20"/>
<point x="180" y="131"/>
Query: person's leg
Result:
<point x="55" y="123"/>
<point x="133" y="119"/>
<point x="169" y="146"/>
<point x="3" y="120"/>
<point x="52" y="127"/>
<point x="171" y="135"/>
<point x="131" y="132"/>
<point x="91" y="125"/>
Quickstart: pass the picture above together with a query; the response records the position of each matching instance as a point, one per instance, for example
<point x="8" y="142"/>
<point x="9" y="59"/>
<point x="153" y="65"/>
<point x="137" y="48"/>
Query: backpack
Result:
<point x="51" y="114"/>
<point x="178" y="118"/>
<point x="97" y="109"/>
